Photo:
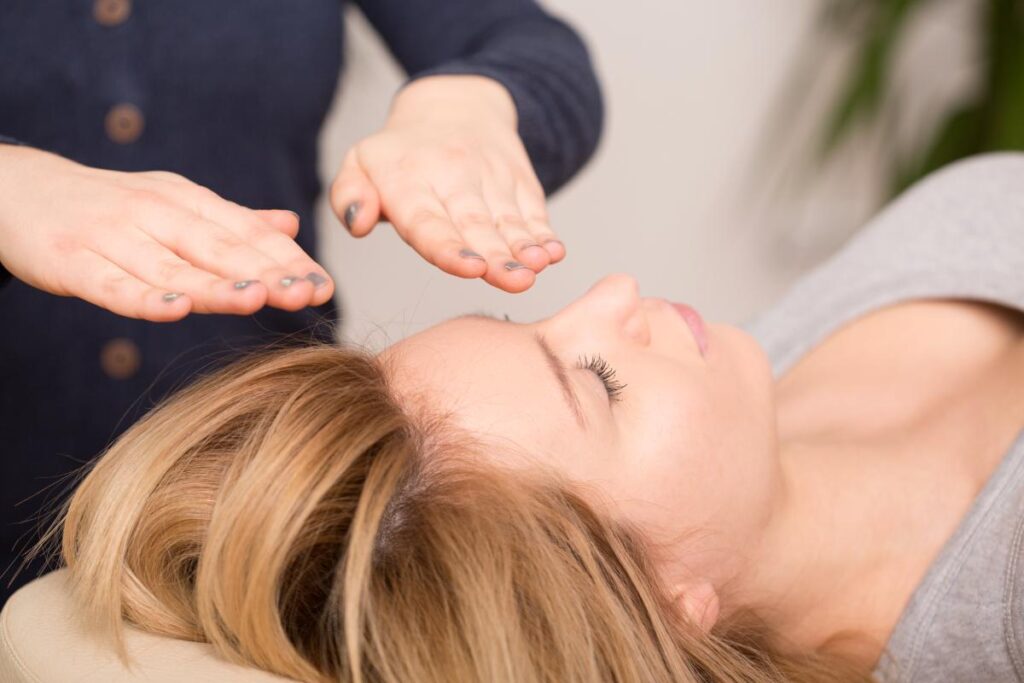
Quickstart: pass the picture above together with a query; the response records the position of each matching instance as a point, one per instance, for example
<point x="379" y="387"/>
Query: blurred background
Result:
<point x="745" y="141"/>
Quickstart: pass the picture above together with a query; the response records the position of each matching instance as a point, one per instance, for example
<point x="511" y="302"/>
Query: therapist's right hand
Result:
<point x="150" y="245"/>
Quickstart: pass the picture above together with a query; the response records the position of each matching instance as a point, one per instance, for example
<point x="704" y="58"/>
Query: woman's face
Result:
<point x="676" y="438"/>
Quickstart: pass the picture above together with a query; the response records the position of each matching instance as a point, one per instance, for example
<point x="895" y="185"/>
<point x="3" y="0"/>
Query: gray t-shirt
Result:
<point x="958" y="234"/>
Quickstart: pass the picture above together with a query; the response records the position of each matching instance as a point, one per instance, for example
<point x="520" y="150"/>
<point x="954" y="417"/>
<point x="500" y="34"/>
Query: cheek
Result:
<point x="698" y="444"/>
<point x="672" y="467"/>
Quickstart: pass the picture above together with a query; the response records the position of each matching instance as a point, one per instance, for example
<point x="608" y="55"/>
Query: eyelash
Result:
<point x="600" y="367"/>
<point x="605" y="372"/>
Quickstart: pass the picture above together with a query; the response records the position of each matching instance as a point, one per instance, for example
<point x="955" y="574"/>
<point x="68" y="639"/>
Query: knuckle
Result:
<point x="64" y="244"/>
<point x="168" y="176"/>
<point x="113" y="287"/>
<point x="511" y="220"/>
<point x="203" y="195"/>
<point x="143" y="199"/>
<point x="225" y="243"/>
<point x="408" y="164"/>
<point x="422" y="215"/>
<point x="168" y="270"/>
<point x="475" y="219"/>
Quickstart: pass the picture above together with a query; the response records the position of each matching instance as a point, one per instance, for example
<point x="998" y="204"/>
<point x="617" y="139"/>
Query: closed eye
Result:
<point x="605" y="372"/>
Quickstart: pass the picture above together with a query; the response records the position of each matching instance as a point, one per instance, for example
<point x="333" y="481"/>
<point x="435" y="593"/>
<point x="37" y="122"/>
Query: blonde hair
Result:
<point x="285" y="511"/>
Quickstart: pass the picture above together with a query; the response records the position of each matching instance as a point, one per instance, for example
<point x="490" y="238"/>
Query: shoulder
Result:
<point x="959" y="233"/>
<point x="978" y="196"/>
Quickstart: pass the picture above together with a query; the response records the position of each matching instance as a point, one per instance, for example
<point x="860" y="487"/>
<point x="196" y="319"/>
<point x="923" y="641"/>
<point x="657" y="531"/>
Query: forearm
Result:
<point x="541" y="62"/>
<point x="547" y="72"/>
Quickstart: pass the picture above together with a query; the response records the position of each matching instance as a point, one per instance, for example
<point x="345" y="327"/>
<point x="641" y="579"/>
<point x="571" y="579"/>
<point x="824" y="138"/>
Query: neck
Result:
<point x="846" y="547"/>
<point x="862" y="513"/>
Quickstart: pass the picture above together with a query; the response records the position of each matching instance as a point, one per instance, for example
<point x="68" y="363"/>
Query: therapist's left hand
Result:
<point x="450" y="172"/>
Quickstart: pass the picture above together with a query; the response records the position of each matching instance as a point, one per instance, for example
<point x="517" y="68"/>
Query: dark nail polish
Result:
<point x="289" y="281"/>
<point x="317" y="279"/>
<point x="172" y="296"/>
<point x="469" y="253"/>
<point x="514" y="265"/>
<point x="244" y="283"/>
<point x="350" y="215"/>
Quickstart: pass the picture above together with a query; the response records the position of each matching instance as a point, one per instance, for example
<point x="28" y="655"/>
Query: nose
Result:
<point x="616" y="292"/>
<point x="611" y="306"/>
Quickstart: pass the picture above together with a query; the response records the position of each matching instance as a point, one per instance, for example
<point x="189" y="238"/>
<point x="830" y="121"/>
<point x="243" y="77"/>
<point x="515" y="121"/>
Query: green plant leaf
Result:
<point x="859" y="100"/>
<point x="955" y="138"/>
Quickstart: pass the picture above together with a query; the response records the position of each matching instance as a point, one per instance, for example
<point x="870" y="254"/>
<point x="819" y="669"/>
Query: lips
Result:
<point x="696" y="324"/>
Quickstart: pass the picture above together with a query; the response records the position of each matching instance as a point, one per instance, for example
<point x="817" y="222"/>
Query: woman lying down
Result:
<point x="618" y="493"/>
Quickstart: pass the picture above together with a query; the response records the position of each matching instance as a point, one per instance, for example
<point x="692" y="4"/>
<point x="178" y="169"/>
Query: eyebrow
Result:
<point x="558" y="369"/>
<point x="562" y="377"/>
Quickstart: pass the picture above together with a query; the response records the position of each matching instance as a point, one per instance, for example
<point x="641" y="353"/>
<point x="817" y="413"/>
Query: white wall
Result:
<point x="673" y="194"/>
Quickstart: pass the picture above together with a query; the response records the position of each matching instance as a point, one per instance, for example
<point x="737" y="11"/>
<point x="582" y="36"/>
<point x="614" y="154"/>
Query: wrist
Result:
<point x="457" y="97"/>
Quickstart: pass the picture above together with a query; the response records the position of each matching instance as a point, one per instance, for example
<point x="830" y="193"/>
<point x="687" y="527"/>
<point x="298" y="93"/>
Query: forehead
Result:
<point x="491" y="377"/>
<point x="457" y="355"/>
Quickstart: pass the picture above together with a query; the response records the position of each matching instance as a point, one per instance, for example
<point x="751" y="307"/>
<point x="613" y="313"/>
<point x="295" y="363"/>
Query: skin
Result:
<point x="819" y="499"/>
<point x="449" y="172"/>
<point x="447" y="169"/>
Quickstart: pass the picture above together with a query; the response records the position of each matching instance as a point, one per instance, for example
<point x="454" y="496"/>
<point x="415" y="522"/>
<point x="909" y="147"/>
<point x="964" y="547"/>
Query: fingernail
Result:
<point x="317" y="279"/>
<point x="289" y="281"/>
<point x="469" y="253"/>
<point x="172" y="296"/>
<point x="553" y="242"/>
<point x="244" y="283"/>
<point x="294" y="213"/>
<point x="350" y="215"/>
<point x="514" y="265"/>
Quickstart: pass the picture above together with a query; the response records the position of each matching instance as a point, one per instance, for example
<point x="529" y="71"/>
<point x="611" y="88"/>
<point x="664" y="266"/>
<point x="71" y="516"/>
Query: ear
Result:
<point x="698" y="600"/>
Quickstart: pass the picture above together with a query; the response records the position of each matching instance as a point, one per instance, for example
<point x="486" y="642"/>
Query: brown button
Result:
<point x="111" y="12"/>
<point x="124" y="123"/>
<point x="120" y="358"/>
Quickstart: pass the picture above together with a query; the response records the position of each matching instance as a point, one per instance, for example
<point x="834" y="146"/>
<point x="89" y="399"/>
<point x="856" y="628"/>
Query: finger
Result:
<point x="474" y="222"/>
<point x="283" y="261"/>
<point x="212" y="248"/>
<point x="141" y="256"/>
<point x="98" y="281"/>
<point x="512" y="227"/>
<point x="285" y="222"/>
<point x="354" y="197"/>
<point x="533" y="208"/>
<point x="422" y="222"/>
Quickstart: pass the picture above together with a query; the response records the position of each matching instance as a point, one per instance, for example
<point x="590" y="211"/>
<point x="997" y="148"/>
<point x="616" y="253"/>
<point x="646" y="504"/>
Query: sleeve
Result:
<point x="539" y="59"/>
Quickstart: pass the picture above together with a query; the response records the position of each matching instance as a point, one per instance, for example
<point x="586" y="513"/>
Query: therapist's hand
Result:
<point x="147" y="245"/>
<point x="449" y="171"/>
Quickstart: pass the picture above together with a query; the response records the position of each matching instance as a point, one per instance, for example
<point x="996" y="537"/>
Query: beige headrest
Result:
<point x="42" y="642"/>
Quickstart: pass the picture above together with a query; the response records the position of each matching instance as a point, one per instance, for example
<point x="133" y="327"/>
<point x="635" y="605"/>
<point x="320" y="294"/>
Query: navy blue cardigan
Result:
<point x="232" y="94"/>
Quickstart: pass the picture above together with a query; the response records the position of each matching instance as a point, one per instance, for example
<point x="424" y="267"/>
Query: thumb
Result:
<point x="354" y="197"/>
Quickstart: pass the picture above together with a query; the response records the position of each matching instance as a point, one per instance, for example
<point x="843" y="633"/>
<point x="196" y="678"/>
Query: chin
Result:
<point x="737" y="353"/>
